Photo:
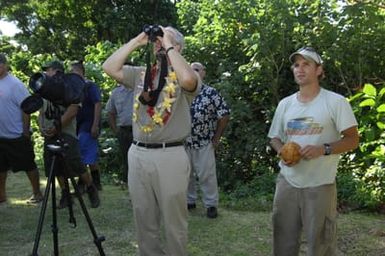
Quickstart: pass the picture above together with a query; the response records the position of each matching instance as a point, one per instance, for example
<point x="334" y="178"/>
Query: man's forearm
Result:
<point x="187" y="78"/>
<point x="97" y="113"/>
<point x="26" y="123"/>
<point x="221" y="126"/>
<point x="348" y="142"/>
<point x="276" y="144"/>
<point x="69" y="115"/>
<point x="112" y="122"/>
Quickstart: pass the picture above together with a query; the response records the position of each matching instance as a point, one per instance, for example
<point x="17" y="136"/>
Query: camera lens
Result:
<point x="36" y="82"/>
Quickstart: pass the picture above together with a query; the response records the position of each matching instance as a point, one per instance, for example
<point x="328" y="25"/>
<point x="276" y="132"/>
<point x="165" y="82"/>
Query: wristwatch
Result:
<point x="328" y="149"/>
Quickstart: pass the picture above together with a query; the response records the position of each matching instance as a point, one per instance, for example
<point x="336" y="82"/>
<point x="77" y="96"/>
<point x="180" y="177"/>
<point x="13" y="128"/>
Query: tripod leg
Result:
<point x="72" y="219"/>
<point x="97" y="239"/>
<point x="54" y="227"/>
<point x="51" y="179"/>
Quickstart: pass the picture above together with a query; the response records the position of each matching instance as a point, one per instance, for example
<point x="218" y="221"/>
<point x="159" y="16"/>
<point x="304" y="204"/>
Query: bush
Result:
<point x="361" y="175"/>
<point x="255" y="195"/>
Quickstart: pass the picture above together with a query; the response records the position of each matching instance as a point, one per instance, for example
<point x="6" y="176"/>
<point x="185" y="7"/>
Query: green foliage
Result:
<point x="110" y="156"/>
<point x="371" y="189"/>
<point x="367" y="166"/>
<point x="347" y="185"/>
<point x="66" y="27"/>
<point x="256" y="194"/>
<point x="6" y="45"/>
<point x="369" y="108"/>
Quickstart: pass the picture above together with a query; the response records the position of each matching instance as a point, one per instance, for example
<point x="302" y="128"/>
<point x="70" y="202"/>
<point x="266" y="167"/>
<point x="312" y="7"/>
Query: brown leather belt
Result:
<point x="128" y="127"/>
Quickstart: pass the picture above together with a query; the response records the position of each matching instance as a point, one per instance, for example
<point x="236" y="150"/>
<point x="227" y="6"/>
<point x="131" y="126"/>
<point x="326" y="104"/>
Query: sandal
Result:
<point x="35" y="199"/>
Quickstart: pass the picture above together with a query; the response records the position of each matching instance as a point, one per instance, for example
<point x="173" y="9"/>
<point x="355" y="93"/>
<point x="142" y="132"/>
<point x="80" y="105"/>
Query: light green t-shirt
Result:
<point x="313" y="123"/>
<point x="46" y="118"/>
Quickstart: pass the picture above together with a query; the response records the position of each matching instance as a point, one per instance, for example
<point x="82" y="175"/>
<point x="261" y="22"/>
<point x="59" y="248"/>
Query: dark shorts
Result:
<point x="125" y="140"/>
<point x="67" y="161"/>
<point x="17" y="155"/>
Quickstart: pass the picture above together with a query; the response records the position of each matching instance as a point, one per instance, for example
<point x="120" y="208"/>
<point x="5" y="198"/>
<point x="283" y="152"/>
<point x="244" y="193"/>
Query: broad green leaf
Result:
<point x="381" y="93"/>
<point x="381" y="125"/>
<point x="381" y="108"/>
<point x="370" y="90"/>
<point x="367" y="103"/>
<point x="379" y="151"/>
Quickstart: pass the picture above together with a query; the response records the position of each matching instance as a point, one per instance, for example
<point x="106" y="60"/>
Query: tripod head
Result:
<point x="58" y="147"/>
<point x="57" y="143"/>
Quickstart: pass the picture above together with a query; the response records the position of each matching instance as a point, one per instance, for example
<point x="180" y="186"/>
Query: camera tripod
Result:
<point x="58" y="151"/>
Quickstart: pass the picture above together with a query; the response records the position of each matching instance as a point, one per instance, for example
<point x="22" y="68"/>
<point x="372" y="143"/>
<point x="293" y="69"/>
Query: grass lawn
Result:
<point x="233" y="233"/>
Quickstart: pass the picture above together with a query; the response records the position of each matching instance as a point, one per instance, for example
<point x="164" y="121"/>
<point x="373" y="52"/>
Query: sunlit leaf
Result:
<point x="381" y="108"/>
<point x="368" y="103"/>
<point x="381" y="125"/>
<point x="381" y="93"/>
<point x="370" y="90"/>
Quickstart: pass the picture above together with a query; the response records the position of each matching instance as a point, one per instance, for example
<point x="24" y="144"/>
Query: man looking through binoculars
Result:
<point x="158" y="163"/>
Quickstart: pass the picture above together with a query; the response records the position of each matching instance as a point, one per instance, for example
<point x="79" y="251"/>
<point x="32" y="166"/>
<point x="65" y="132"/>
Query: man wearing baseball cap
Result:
<point x="67" y="131"/>
<point x="54" y="65"/>
<point x="16" y="150"/>
<point x="323" y="124"/>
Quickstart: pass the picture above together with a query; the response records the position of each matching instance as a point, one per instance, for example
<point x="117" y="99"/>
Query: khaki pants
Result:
<point x="312" y="210"/>
<point x="203" y="167"/>
<point x="157" y="181"/>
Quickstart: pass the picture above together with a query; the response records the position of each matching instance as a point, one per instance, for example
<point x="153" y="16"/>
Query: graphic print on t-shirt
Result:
<point x="303" y="126"/>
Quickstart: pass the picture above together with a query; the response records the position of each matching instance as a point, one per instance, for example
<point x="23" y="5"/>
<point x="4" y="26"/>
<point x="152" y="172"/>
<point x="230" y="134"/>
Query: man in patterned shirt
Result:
<point x="210" y="115"/>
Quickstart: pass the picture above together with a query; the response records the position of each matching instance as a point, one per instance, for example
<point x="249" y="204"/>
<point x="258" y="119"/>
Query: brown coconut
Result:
<point x="290" y="152"/>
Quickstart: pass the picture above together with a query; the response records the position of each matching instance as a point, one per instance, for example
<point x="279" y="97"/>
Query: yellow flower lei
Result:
<point x="161" y="112"/>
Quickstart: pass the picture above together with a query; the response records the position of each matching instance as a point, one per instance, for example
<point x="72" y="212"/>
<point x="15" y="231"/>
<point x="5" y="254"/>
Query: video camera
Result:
<point x="61" y="89"/>
<point x="153" y="31"/>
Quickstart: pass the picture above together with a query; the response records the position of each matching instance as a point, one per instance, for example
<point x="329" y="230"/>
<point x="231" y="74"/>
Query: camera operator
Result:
<point x="64" y="128"/>
<point x="158" y="163"/>
<point x="16" y="150"/>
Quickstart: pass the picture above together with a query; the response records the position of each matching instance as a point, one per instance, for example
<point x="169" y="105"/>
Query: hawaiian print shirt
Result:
<point x="206" y="109"/>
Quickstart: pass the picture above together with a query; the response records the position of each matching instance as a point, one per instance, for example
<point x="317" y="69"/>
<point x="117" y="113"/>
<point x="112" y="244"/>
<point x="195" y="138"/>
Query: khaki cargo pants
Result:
<point x="311" y="210"/>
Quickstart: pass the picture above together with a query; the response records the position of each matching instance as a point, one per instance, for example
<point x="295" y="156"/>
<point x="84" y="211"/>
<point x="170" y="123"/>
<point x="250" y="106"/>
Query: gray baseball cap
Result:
<point x="308" y="53"/>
